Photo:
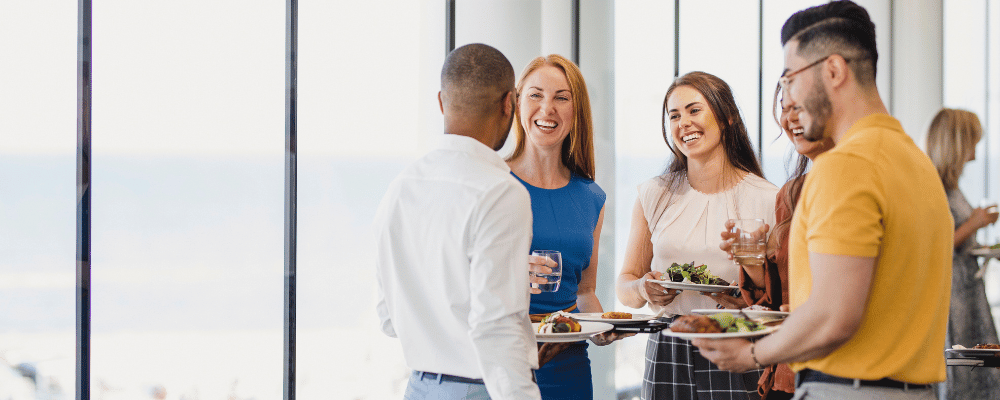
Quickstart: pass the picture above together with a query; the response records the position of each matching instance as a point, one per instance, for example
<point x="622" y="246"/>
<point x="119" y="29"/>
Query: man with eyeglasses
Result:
<point x="870" y="242"/>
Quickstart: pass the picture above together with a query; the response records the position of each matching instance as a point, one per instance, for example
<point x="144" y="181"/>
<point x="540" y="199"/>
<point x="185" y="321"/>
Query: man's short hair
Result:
<point x="838" y="27"/>
<point x="474" y="78"/>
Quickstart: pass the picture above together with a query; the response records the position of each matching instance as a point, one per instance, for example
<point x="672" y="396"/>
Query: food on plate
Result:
<point x="695" y="324"/>
<point x="732" y="323"/>
<point x="996" y="246"/>
<point x="616" y="315"/>
<point x="689" y="273"/>
<point x="559" y="322"/>
<point x="757" y="307"/>
<point x="715" y="323"/>
<point x="987" y="346"/>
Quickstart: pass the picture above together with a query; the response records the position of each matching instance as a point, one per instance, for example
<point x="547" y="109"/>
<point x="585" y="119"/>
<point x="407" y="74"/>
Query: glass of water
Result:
<point x="555" y="277"/>
<point x="750" y="244"/>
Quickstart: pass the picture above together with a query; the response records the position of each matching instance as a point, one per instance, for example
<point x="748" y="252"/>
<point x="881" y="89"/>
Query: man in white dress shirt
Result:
<point x="453" y="233"/>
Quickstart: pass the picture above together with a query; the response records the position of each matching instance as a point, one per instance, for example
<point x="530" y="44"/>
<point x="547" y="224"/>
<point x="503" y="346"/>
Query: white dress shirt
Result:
<point x="453" y="233"/>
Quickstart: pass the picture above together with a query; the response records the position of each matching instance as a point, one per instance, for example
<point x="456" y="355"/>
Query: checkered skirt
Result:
<point x="676" y="370"/>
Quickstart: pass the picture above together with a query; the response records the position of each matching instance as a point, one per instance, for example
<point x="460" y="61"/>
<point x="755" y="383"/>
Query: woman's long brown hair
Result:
<point x="795" y="181"/>
<point x="735" y="141"/>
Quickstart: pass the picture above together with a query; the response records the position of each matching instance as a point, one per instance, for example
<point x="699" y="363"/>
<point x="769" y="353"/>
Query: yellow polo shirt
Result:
<point x="877" y="195"/>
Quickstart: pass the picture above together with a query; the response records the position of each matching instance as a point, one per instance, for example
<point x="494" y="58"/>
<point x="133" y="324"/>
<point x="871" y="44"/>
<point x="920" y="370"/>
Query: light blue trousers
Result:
<point x="433" y="389"/>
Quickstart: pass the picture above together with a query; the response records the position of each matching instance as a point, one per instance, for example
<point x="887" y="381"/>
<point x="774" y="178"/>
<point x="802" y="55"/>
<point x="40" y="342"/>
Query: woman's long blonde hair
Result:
<point x="951" y="141"/>
<point x="578" y="147"/>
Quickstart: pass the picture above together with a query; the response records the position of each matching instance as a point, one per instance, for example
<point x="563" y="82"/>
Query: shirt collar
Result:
<point x="875" y="120"/>
<point x="473" y="147"/>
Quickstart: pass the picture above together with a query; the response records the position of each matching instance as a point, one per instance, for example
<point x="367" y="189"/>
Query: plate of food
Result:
<point x="561" y="327"/>
<point x="979" y="350"/>
<point x="614" y="317"/>
<point x="691" y="277"/>
<point x="751" y="313"/>
<point x="721" y="325"/>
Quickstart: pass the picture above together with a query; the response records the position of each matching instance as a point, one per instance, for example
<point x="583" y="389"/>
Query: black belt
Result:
<point x="809" y="375"/>
<point x="447" y="378"/>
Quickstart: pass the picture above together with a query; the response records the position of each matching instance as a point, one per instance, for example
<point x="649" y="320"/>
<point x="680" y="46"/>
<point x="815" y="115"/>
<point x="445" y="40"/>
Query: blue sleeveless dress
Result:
<point x="564" y="219"/>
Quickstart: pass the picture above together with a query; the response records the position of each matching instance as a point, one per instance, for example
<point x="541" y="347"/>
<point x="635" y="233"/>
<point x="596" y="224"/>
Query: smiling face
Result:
<point x="806" y="90"/>
<point x="693" y="126"/>
<point x="793" y="128"/>
<point x="545" y="107"/>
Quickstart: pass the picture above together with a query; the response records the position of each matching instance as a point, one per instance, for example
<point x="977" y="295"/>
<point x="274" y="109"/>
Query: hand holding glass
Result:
<point x="750" y="244"/>
<point x="555" y="277"/>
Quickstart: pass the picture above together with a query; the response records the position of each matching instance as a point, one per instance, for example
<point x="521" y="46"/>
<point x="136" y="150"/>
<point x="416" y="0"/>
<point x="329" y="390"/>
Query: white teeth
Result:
<point x="546" y="124"/>
<point x="798" y="131"/>
<point x="688" y="138"/>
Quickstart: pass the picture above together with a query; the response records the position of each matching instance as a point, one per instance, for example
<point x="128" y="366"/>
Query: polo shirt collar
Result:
<point x="879" y="120"/>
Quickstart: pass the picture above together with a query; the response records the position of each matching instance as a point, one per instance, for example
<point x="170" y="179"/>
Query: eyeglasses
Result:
<point x="787" y="77"/>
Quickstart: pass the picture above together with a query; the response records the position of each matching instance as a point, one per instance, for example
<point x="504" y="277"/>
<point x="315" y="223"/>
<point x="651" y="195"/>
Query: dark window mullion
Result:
<point x="449" y="26"/>
<point x="576" y="32"/>
<point x="291" y="177"/>
<point x="83" y="86"/>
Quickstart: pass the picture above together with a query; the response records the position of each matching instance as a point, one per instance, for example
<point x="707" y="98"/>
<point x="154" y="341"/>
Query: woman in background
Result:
<point x="951" y="143"/>
<point x="554" y="159"/>
<point x="714" y="176"/>
<point x="768" y="285"/>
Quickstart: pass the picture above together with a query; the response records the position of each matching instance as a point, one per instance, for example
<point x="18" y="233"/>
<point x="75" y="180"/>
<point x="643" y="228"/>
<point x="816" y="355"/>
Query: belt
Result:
<point x="809" y="375"/>
<point x="447" y="378"/>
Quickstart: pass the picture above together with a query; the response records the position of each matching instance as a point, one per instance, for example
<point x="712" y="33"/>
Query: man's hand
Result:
<point x="729" y="354"/>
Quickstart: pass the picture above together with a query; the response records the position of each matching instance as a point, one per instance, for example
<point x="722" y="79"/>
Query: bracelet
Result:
<point x="754" y="356"/>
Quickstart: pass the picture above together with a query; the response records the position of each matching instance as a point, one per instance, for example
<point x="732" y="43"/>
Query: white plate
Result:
<point x="973" y="352"/>
<point x="750" y="313"/>
<point x="597" y="317"/>
<point x="723" y="335"/>
<point x="985" y="251"/>
<point x="693" y="286"/>
<point x="587" y="329"/>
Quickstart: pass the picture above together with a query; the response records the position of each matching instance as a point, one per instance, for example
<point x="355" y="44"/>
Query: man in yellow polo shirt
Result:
<point x="871" y="239"/>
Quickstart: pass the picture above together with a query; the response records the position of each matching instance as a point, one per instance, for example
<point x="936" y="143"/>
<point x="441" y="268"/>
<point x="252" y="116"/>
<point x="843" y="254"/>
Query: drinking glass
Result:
<point x="750" y="244"/>
<point x="555" y="277"/>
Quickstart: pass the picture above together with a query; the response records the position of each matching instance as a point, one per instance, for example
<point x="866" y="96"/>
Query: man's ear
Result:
<point x="836" y="69"/>
<point x="440" y="102"/>
<point x="509" y="102"/>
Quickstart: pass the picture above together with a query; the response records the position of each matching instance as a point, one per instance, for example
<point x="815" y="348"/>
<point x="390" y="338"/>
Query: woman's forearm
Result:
<point x="964" y="231"/>
<point x="629" y="291"/>
<point x="589" y="303"/>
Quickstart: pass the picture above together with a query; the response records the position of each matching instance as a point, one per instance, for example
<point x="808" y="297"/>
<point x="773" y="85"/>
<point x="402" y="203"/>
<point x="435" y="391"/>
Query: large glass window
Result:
<point x="365" y="112"/>
<point x="644" y="68"/>
<point x="37" y="197"/>
<point x="188" y="111"/>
